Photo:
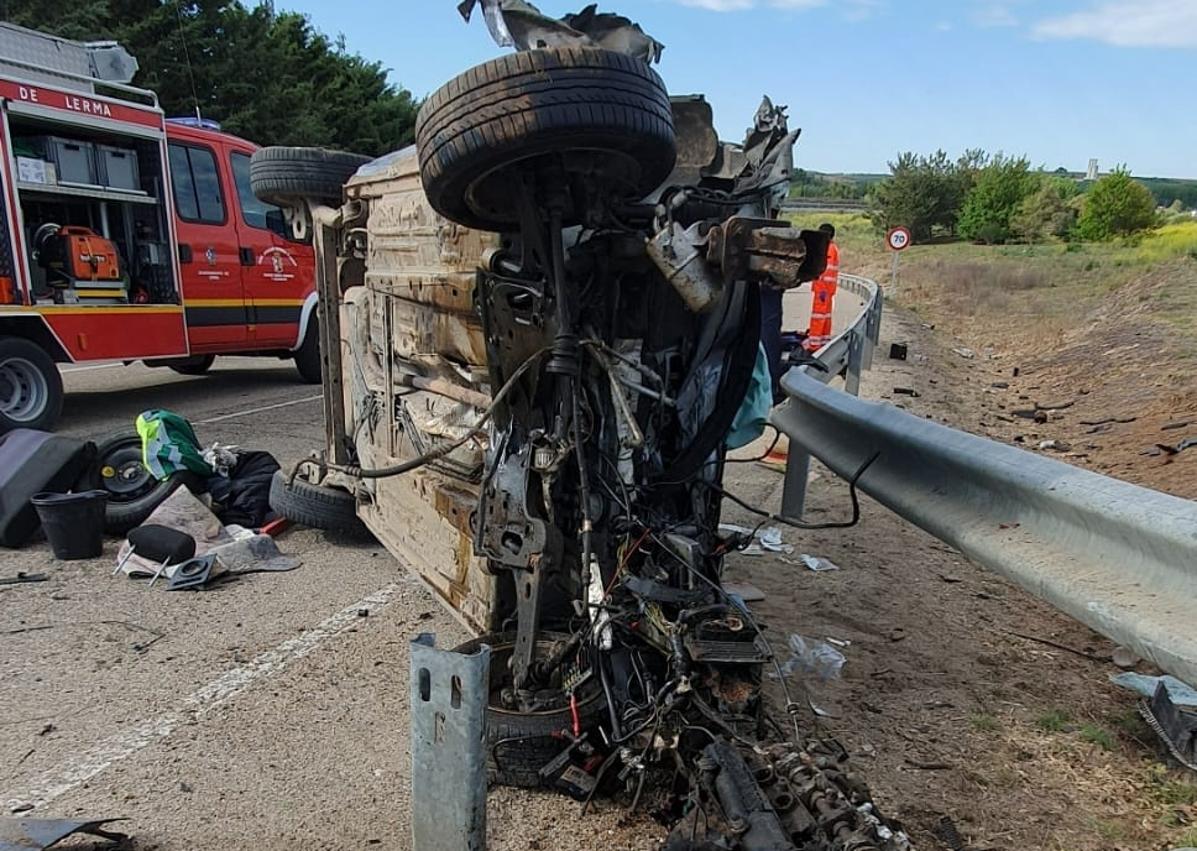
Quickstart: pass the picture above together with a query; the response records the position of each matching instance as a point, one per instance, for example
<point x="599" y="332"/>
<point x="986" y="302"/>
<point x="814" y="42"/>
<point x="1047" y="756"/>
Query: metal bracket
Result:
<point x="449" y="695"/>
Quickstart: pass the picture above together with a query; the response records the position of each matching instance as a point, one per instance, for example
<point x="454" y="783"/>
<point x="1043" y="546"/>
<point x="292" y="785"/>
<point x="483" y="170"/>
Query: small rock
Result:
<point x="1124" y="657"/>
<point x="21" y="808"/>
<point x="1057" y="445"/>
<point x="1054" y="406"/>
<point x="1041" y="417"/>
<point x="906" y="391"/>
<point x="1000" y="385"/>
<point x="49" y="728"/>
<point x="363" y="613"/>
<point x="184" y="786"/>
<point x="967" y="354"/>
<point x="1016" y="371"/>
<point x="1173" y="426"/>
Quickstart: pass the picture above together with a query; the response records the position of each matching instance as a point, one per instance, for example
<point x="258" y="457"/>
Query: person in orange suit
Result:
<point x="824" y="289"/>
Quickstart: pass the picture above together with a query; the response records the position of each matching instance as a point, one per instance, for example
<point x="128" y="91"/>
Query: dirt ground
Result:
<point x="955" y="709"/>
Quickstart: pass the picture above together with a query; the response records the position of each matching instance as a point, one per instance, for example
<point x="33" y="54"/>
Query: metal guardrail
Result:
<point x="449" y="694"/>
<point x="1117" y="557"/>
<point x="829" y="205"/>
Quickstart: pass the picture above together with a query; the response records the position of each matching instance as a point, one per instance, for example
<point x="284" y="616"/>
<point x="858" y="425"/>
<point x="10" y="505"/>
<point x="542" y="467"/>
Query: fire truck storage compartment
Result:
<point x="83" y="178"/>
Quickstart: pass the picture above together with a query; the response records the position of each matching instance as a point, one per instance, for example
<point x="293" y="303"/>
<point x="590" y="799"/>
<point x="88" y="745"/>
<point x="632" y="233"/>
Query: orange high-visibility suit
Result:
<point x="823" y="289"/>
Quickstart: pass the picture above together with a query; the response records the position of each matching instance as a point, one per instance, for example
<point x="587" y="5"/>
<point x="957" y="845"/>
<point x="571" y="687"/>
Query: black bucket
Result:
<point x="73" y="523"/>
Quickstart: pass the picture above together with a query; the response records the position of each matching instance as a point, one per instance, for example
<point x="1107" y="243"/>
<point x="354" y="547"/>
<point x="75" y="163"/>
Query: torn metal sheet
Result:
<point x="516" y="23"/>
<point x="33" y="833"/>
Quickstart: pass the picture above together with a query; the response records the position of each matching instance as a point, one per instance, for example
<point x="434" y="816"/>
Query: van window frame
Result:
<point x="224" y="207"/>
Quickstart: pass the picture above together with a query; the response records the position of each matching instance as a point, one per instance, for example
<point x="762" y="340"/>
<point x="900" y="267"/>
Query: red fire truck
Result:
<point x="126" y="235"/>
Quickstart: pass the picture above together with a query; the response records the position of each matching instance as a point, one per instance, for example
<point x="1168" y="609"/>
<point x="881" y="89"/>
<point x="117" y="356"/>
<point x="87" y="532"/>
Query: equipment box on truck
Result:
<point x="128" y="236"/>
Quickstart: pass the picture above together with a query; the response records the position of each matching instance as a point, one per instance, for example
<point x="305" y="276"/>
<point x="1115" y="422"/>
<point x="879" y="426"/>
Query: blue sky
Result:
<point x="1058" y="80"/>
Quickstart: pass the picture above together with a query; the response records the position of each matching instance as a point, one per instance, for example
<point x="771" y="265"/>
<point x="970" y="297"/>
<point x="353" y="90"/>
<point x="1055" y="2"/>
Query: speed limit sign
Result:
<point x="898" y="239"/>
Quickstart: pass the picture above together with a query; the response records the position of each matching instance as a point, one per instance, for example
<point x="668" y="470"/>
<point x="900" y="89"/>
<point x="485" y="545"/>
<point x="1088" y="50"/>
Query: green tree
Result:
<point x="1116" y="205"/>
<point x="997" y="196"/>
<point x="271" y="78"/>
<point x="924" y="193"/>
<point x="1048" y="212"/>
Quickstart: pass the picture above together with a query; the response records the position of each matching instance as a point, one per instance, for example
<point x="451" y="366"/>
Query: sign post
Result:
<point x="898" y="239"/>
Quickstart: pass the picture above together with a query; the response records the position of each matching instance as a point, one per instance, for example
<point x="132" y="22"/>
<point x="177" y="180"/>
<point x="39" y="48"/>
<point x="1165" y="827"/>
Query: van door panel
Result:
<point x="209" y="251"/>
<point x="278" y="273"/>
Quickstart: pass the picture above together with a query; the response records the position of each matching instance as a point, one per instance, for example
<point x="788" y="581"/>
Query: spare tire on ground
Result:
<point x="316" y="506"/>
<point x="133" y="492"/>
<point x="588" y="111"/>
<point x="520" y="744"/>
<point x="281" y="175"/>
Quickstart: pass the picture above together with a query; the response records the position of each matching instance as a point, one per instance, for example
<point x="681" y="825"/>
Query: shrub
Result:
<point x="925" y="193"/>
<point x="1117" y="205"/>
<point x="1047" y="213"/>
<point x="1001" y="188"/>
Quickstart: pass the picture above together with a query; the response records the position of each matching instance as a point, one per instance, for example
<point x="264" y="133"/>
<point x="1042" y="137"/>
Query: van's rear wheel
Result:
<point x="30" y="386"/>
<point x="198" y="365"/>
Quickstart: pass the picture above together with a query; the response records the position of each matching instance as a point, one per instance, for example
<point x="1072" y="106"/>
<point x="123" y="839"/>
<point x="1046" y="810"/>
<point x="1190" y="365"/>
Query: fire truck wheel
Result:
<point x="30" y="386"/>
<point x="597" y="114"/>
<point x="194" y="366"/>
<point x="520" y="744"/>
<point x="133" y="492"/>
<point x="315" y="506"/>
<point x="280" y="175"/>
<point x="307" y="356"/>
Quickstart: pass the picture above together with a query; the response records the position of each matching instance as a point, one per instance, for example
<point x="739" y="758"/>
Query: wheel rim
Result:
<point x="24" y="390"/>
<point x="123" y="474"/>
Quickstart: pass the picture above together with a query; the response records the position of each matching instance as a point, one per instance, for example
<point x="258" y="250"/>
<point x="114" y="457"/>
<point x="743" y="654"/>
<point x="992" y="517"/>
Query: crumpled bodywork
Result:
<point x="415" y="317"/>
<point x="519" y="24"/>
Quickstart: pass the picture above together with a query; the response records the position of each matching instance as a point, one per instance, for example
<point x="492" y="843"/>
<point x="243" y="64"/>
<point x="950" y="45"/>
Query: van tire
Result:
<point x="520" y="744"/>
<point x="534" y="103"/>
<point x="30" y="386"/>
<point x="316" y="506"/>
<point x="280" y="175"/>
<point x="307" y="356"/>
<point x="198" y="365"/>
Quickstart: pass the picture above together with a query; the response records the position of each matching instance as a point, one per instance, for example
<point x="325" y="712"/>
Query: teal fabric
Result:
<point x="753" y="415"/>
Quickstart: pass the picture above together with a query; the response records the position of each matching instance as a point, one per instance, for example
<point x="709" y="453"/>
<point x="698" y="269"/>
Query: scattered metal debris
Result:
<point x="22" y="577"/>
<point x="27" y="834"/>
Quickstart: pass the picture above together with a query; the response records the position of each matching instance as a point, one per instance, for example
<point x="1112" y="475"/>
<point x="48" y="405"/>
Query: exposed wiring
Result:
<point x="797" y="524"/>
<point x="448" y="448"/>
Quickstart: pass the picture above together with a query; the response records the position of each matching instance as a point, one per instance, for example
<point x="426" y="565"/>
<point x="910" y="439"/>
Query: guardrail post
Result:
<point x="855" y="363"/>
<point x="872" y="330"/>
<point x="793" y="494"/>
<point x="449" y="693"/>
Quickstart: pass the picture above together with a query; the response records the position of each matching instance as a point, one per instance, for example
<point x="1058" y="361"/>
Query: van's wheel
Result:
<point x="133" y="492"/>
<point x="280" y="175"/>
<point x="316" y="506"/>
<point x="597" y="114"/>
<point x="307" y="356"/>
<point x="30" y="386"/>
<point x="519" y="744"/>
<point x="198" y="365"/>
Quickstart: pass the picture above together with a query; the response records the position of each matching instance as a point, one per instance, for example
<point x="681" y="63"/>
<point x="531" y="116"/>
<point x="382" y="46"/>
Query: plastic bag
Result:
<point x="813" y="658"/>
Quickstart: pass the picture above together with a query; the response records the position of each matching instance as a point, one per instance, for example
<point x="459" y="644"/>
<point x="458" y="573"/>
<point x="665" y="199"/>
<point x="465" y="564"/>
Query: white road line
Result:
<point x="249" y="411"/>
<point x="89" y="762"/>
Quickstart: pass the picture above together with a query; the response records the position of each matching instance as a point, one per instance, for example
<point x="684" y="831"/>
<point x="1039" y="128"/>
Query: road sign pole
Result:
<point x="893" y="276"/>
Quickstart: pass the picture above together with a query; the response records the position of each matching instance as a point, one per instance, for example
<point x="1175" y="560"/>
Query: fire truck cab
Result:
<point x="126" y="235"/>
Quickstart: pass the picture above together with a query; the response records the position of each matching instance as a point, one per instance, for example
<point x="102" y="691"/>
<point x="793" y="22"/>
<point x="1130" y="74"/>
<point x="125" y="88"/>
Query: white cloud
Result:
<point x="1128" y="23"/>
